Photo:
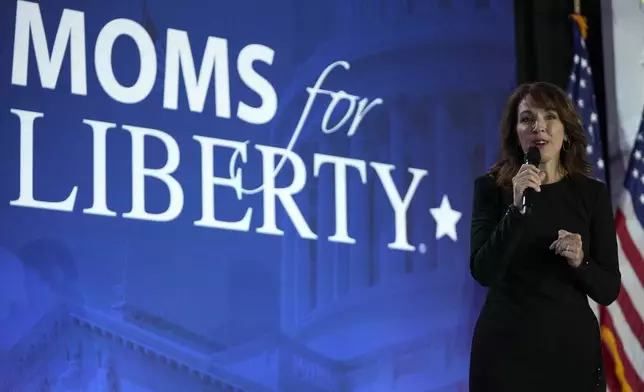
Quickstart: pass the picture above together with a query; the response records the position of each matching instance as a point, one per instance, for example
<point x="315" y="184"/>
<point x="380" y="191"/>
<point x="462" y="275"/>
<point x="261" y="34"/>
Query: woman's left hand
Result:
<point x="569" y="245"/>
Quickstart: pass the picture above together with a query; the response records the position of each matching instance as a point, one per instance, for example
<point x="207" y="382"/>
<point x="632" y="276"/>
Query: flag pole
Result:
<point x="581" y="21"/>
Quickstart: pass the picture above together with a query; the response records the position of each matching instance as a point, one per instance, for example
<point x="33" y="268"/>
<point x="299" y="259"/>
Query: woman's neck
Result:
<point x="554" y="171"/>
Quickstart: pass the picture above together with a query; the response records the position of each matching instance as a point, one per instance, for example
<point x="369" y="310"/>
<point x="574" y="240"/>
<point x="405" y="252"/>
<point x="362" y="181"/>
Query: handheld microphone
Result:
<point x="532" y="157"/>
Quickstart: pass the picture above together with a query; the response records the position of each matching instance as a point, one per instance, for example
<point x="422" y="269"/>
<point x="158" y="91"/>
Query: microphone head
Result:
<point x="533" y="156"/>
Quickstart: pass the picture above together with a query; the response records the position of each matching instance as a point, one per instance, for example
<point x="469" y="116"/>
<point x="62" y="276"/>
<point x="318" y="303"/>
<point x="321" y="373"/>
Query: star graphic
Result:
<point x="446" y="219"/>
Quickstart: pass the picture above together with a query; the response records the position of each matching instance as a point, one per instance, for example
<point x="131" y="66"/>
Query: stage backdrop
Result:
<point x="244" y="195"/>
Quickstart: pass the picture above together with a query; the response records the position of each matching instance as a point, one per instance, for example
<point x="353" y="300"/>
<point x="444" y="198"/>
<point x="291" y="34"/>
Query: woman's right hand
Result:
<point x="529" y="176"/>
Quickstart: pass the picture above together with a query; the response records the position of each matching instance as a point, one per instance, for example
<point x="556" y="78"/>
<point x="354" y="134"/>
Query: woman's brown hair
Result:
<point x="547" y="96"/>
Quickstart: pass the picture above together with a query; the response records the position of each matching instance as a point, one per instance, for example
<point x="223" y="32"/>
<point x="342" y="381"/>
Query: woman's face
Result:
<point x="541" y="128"/>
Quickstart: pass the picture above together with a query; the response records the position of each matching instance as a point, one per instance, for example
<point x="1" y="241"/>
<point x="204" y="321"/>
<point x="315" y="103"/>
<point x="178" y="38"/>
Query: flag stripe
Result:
<point x="632" y="349"/>
<point x="630" y="249"/>
<point x="631" y="297"/>
<point x="631" y="316"/>
<point x="633" y="227"/>
<point x="630" y="282"/>
<point x="628" y="375"/>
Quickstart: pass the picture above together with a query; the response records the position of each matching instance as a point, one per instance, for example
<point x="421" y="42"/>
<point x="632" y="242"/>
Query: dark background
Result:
<point x="544" y="46"/>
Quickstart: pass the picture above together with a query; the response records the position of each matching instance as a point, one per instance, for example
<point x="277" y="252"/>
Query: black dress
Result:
<point x="536" y="331"/>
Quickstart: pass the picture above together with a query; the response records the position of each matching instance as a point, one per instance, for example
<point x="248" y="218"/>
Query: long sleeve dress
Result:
<point x="536" y="331"/>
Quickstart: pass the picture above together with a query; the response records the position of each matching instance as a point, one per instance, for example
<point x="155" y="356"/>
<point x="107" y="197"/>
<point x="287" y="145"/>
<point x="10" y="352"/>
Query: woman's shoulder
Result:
<point x="588" y="184"/>
<point x="590" y="190"/>
<point x="488" y="190"/>
<point x="486" y="181"/>
<point x="489" y="179"/>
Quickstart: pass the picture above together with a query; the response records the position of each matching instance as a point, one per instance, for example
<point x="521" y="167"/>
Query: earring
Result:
<point x="566" y="145"/>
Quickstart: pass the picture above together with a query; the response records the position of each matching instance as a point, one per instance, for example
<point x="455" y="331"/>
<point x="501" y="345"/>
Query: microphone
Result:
<point x="532" y="157"/>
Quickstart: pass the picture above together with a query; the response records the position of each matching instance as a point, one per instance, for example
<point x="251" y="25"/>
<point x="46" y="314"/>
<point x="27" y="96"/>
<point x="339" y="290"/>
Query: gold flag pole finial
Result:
<point x="578" y="7"/>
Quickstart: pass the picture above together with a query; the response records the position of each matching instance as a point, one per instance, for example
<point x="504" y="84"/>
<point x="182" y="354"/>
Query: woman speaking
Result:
<point x="543" y="240"/>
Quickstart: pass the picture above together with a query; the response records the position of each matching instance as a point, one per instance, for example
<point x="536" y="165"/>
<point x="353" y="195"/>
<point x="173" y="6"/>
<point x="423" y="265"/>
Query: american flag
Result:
<point x="622" y="323"/>
<point x="581" y="92"/>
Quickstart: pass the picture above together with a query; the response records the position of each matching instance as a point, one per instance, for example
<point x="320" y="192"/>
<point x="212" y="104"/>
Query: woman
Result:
<point x="536" y="331"/>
